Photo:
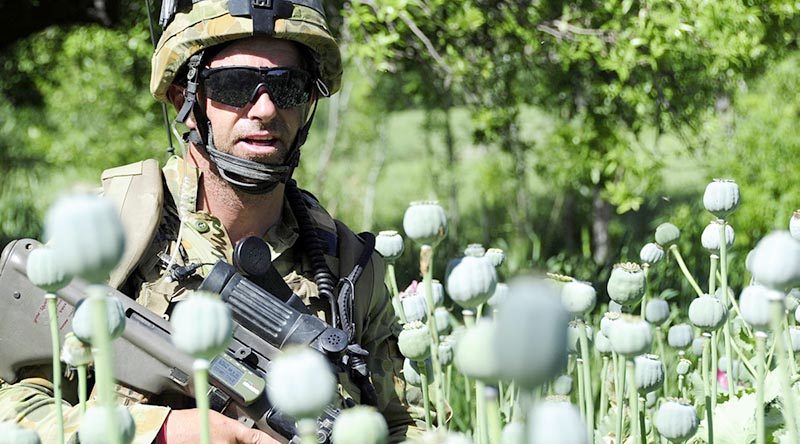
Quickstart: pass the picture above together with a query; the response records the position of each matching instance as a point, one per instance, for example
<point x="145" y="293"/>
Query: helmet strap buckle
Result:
<point x="190" y="93"/>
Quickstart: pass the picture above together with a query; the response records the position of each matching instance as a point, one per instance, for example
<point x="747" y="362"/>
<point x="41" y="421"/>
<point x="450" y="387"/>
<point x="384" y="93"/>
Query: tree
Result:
<point x="609" y="72"/>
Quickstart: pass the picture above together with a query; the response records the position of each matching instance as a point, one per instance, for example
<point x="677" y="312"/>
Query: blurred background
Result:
<point x="563" y="132"/>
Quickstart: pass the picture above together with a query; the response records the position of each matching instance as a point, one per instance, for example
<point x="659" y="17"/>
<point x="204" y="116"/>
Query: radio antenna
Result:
<point x="171" y="148"/>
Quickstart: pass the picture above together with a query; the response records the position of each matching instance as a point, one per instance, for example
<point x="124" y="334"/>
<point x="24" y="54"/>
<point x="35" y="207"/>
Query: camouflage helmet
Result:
<point x="206" y="23"/>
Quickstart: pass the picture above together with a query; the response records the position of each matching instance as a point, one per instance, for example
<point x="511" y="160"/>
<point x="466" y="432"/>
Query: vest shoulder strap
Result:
<point x="325" y="227"/>
<point x="137" y="191"/>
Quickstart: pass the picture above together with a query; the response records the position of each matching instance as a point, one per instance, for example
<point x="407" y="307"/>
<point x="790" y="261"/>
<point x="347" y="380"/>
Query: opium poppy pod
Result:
<point x="650" y="400"/>
<point x="656" y="311"/>
<point x="680" y="336"/>
<point x="667" y="234"/>
<point x="649" y="373"/>
<point x="94" y="428"/>
<point x="500" y="293"/>
<point x="608" y="320"/>
<point x="202" y="325"/>
<point x="474" y="352"/>
<point x="754" y="303"/>
<point x="651" y="253"/>
<point x="425" y="222"/>
<point x="471" y="281"/>
<point x="442" y="320"/>
<point x="601" y="343"/>
<point x="556" y="417"/>
<point x="792" y="299"/>
<point x="496" y="256"/>
<point x="11" y="433"/>
<point x="627" y="283"/>
<point x="360" y="425"/>
<point x="75" y="352"/>
<point x="707" y="313"/>
<point x="683" y="367"/>
<point x="300" y="382"/>
<point x="415" y="341"/>
<point x="45" y="270"/>
<point x="83" y="321"/>
<point x="794" y="333"/>
<point x="721" y="197"/>
<point x="677" y="420"/>
<point x="573" y="337"/>
<point x="390" y="245"/>
<point x="776" y="261"/>
<point x="531" y="340"/>
<point x="438" y="292"/>
<point x="414" y="306"/>
<point x="474" y="250"/>
<point x="711" y="238"/>
<point x="445" y="352"/>
<point x="697" y="345"/>
<point x="411" y="371"/>
<point x="513" y="433"/>
<point x="578" y="298"/>
<point x="630" y="336"/>
<point x="563" y="385"/>
<point x="86" y="233"/>
<point x="794" y="225"/>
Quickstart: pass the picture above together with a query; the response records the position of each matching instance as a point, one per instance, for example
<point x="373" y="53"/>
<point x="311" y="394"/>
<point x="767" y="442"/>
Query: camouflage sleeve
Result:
<point x="30" y="403"/>
<point x="379" y="337"/>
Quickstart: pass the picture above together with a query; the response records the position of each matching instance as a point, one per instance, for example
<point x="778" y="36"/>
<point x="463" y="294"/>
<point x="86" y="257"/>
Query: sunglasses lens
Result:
<point x="231" y="86"/>
<point x="235" y="86"/>
<point x="288" y="88"/>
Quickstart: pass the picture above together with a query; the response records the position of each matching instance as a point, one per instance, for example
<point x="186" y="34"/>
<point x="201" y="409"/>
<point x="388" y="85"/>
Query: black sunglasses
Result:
<point x="239" y="85"/>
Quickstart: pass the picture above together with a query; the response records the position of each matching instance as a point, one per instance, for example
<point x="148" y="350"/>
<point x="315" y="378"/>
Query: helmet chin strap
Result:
<point x="245" y="175"/>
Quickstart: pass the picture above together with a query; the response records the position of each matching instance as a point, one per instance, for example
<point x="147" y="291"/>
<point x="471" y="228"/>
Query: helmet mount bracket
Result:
<point x="263" y="12"/>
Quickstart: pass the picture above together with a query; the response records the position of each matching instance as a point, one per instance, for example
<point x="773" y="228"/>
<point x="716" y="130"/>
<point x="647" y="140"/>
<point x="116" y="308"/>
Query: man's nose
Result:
<point x="262" y="107"/>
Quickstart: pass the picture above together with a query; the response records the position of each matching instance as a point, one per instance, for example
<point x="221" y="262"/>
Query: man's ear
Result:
<point x="175" y="94"/>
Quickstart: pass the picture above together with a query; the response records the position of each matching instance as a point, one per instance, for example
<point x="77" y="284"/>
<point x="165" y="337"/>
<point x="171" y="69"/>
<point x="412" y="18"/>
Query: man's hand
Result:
<point x="183" y="426"/>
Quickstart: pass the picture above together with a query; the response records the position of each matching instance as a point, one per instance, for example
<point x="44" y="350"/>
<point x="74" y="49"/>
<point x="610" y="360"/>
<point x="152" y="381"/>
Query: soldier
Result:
<point x="245" y="77"/>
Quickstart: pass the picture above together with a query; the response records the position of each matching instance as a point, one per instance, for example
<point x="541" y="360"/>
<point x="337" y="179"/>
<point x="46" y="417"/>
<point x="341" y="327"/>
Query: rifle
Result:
<point x="145" y="359"/>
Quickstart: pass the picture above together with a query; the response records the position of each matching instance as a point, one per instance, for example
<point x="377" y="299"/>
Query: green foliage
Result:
<point x="77" y="103"/>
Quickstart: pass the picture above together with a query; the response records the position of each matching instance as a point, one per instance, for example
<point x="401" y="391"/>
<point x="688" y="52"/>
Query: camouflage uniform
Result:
<point x="204" y="240"/>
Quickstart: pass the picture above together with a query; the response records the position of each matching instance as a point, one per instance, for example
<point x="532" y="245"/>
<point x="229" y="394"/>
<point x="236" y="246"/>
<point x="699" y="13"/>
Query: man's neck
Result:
<point x="241" y="214"/>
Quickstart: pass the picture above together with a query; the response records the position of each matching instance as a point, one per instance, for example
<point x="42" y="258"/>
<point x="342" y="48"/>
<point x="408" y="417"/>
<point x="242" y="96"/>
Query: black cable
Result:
<point x="312" y="245"/>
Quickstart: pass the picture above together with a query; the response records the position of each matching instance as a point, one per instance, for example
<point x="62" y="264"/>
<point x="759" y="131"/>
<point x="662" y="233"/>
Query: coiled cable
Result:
<point x="312" y="245"/>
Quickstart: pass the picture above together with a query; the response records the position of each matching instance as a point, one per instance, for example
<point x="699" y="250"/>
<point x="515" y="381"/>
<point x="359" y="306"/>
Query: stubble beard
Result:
<point x="228" y="144"/>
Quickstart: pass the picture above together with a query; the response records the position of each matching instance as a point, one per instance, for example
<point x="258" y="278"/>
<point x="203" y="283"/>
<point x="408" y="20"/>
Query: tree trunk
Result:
<point x="567" y="221"/>
<point x="601" y="216"/>
<point x="372" y="179"/>
<point x="337" y="104"/>
<point x="452" y="166"/>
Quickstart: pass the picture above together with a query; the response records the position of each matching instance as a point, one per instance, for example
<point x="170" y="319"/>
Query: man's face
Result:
<point x="259" y="131"/>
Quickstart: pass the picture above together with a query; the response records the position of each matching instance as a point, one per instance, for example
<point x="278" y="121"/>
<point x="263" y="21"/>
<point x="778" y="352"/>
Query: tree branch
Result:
<point x="565" y="31"/>
<point x="429" y="46"/>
